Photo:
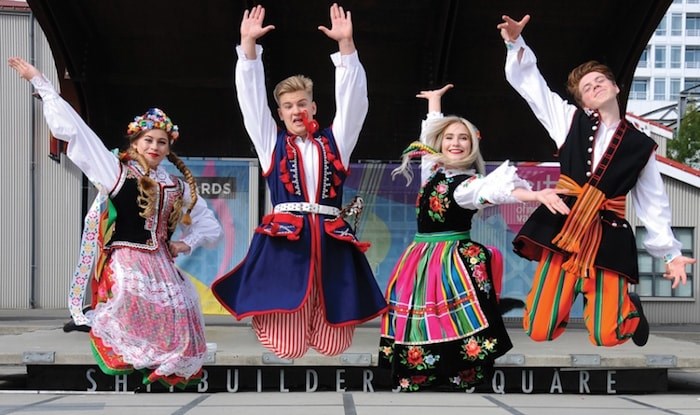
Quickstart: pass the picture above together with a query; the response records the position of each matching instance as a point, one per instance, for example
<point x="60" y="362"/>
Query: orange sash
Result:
<point x="583" y="230"/>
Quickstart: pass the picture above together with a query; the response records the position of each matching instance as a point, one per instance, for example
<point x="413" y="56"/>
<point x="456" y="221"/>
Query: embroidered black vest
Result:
<point x="130" y="228"/>
<point x="615" y="175"/>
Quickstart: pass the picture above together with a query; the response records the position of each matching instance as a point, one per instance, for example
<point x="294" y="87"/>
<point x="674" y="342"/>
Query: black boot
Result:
<point x="506" y="304"/>
<point x="641" y="335"/>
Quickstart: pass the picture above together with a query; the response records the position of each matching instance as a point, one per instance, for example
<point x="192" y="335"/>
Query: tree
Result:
<point x="685" y="147"/>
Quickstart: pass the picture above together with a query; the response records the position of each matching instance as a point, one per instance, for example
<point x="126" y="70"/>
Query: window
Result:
<point x="692" y="57"/>
<point x="661" y="28"/>
<point x="691" y="82"/>
<point x="676" y="23"/>
<point x="674" y="88"/>
<point x="660" y="89"/>
<point x="639" y="89"/>
<point x="651" y="270"/>
<point x="692" y="24"/>
<point x="675" y="56"/>
<point x="644" y="58"/>
<point x="659" y="56"/>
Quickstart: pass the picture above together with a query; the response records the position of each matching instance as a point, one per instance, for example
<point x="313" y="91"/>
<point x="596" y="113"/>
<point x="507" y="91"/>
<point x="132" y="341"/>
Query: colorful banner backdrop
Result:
<point x="230" y="190"/>
<point x="389" y="222"/>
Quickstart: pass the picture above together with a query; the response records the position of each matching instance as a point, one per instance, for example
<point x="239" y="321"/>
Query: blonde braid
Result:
<point x="148" y="188"/>
<point x="186" y="219"/>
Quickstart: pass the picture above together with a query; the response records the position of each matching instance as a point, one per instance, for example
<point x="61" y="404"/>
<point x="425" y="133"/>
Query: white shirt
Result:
<point x="480" y="191"/>
<point x="102" y="167"/>
<point x="351" y="106"/>
<point x="556" y="115"/>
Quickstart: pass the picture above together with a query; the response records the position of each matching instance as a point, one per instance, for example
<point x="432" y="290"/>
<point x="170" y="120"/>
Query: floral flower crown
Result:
<point x="154" y="118"/>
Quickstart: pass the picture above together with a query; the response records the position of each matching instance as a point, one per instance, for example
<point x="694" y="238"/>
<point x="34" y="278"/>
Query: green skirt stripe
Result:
<point x="441" y="236"/>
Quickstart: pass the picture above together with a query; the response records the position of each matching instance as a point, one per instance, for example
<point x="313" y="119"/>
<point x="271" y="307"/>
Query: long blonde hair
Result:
<point x="432" y="139"/>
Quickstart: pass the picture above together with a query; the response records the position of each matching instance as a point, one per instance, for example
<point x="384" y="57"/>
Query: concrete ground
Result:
<point x="40" y="331"/>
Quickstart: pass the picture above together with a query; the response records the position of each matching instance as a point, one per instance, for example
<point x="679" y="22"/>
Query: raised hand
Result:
<point x="435" y="93"/>
<point x="25" y="69"/>
<point x="511" y="29"/>
<point x="675" y="270"/>
<point x="252" y="24"/>
<point x="434" y="97"/>
<point x="341" y="29"/>
<point x="252" y="29"/>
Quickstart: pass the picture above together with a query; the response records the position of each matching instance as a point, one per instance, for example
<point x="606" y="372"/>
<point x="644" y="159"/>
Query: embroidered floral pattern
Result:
<point x="416" y="357"/>
<point x="439" y="201"/>
<point x="469" y="377"/>
<point x="478" y="348"/>
<point x="414" y="383"/>
<point x="386" y="352"/>
<point x="475" y="258"/>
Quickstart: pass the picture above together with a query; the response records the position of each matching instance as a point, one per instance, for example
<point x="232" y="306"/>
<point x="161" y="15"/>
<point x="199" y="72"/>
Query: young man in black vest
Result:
<point x="592" y="251"/>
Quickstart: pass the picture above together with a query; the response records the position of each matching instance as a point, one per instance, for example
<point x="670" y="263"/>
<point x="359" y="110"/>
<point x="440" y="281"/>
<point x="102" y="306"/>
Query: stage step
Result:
<point x="55" y="360"/>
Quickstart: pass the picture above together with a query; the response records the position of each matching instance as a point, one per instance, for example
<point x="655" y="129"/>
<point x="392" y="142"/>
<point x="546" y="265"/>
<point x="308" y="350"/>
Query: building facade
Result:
<point x="40" y="213"/>
<point x="669" y="65"/>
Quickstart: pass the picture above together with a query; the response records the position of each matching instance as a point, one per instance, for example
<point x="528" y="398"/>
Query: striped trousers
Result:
<point x="290" y="335"/>
<point x="608" y="313"/>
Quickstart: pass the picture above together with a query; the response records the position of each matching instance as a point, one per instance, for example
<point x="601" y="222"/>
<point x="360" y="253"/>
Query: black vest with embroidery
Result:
<point x="286" y="179"/>
<point x="437" y="210"/>
<point x="130" y="228"/>
<point x="615" y="175"/>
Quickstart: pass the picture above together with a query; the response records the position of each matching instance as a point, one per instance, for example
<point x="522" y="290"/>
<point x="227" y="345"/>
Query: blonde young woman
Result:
<point x="146" y="314"/>
<point x="444" y="326"/>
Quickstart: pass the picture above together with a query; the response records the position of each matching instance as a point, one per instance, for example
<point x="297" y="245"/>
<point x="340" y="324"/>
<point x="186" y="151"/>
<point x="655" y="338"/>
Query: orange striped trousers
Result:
<point x="608" y="313"/>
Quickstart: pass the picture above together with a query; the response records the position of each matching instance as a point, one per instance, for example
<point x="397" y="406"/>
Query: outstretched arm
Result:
<point x="341" y="29"/>
<point x="252" y="29"/>
<point x="85" y="148"/>
<point x="653" y="209"/>
<point x="553" y="112"/>
<point x="434" y="98"/>
<point x="351" y="103"/>
<point x="503" y="185"/>
<point x="250" y="86"/>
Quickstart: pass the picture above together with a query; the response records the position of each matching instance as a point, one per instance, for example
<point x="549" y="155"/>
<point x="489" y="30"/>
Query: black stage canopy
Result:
<point x="121" y="57"/>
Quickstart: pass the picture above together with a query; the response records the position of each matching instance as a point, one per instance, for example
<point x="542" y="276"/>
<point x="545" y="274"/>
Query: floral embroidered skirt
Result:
<point x="443" y="327"/>
<point x="148" y="318"/>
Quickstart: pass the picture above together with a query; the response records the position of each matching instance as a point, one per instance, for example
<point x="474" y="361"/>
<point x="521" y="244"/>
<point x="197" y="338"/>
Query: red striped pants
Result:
<point x="290" y="335"/>
<point x="608" y="313"/>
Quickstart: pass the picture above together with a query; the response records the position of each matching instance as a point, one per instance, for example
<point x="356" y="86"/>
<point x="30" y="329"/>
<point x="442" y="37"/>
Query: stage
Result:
<point x="36" y="354"/>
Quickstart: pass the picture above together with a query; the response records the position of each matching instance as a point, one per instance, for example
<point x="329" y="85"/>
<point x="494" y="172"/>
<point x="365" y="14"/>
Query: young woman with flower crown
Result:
<point x="146" y="315"/>
<point x="444" y="326"/>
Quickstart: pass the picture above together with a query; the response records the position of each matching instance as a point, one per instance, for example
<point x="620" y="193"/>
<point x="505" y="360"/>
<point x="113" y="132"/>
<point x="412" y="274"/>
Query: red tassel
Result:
<point x="363" y="246"/>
